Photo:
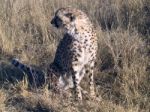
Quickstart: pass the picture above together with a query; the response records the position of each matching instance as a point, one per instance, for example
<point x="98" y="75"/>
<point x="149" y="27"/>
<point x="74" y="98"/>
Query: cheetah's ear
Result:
<point x="71" y="16"/>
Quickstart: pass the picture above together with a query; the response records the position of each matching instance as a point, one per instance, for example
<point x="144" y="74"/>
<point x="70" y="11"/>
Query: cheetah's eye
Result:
<point x="70" y="15"/>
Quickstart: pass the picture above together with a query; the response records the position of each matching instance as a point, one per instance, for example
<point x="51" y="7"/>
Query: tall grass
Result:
<point x="122" y="73"/>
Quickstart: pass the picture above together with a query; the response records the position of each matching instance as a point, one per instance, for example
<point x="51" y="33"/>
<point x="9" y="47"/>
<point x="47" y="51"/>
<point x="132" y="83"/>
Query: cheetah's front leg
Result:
<point x="91" y="79"/>
<point x="76" y="81"/>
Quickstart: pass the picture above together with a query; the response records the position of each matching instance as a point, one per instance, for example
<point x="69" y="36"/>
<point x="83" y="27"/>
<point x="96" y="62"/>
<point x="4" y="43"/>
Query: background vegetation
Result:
<point x="122" y="76"/>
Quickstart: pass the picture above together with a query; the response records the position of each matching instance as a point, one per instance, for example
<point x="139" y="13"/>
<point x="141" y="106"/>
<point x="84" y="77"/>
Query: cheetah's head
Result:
<point x="69" y="18"/>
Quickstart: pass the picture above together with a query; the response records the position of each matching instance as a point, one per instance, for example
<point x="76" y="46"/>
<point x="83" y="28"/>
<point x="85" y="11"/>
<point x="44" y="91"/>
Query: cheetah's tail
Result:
<point x="34" y="76"/>
<point x="23" y="67"/>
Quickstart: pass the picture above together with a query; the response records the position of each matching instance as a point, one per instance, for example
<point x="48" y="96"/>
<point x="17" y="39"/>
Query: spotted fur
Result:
<point x="38" y="78"/>
<point x="76" y="53"/>
<point x="35" y="77"/>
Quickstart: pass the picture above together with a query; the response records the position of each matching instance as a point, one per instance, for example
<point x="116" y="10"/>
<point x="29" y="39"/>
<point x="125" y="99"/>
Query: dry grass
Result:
<point x="122" y="75"/>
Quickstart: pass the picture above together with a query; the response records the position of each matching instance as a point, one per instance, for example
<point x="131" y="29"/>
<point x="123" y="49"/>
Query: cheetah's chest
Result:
<point x="85" y="47"/>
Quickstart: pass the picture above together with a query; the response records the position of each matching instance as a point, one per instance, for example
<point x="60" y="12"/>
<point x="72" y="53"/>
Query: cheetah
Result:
<point x="76" y="53"/>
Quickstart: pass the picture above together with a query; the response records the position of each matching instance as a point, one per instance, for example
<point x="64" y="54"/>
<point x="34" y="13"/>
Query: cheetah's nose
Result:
<point x="52" y="21"/>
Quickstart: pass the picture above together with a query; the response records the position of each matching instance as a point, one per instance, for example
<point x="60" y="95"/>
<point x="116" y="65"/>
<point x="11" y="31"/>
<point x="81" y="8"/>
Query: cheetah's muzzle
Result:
<point x="56" y="22"/>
